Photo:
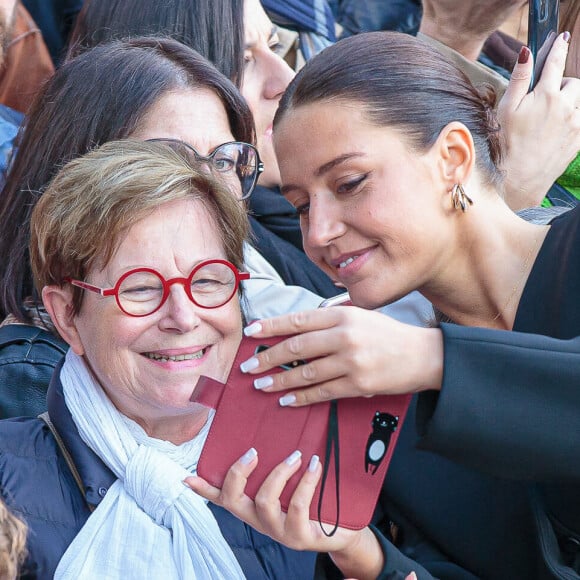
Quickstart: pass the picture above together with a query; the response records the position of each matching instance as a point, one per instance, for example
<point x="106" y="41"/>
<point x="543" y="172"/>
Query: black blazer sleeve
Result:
<point x="509" y="404"/>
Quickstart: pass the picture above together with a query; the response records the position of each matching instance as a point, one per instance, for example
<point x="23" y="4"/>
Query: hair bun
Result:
<point x="489" y="100"/>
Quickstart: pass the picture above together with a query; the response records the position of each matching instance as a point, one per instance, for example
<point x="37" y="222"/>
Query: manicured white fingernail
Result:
<point x="250" y="365"/>
<point x="287" y="400"/>
<point x="252" y="329"/>
<point x="263" y="382"/>
<point x="314" y="461"/>
<point x="248" y="456"/>
<point x="293" y="457"/>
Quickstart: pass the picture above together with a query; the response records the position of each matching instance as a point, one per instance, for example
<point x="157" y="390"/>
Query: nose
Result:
<point x="324" y="223"/>
<point x="180" y="314"/>
<point x="279" y="77"/>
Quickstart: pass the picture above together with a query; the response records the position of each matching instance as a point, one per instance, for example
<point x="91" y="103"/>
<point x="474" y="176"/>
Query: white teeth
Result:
<point x="347" y="262"/>
<point x="179" y="357"/>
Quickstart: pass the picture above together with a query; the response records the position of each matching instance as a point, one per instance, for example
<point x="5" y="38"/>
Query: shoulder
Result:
<point x="25" y="433"/>
<point x="28" y="357"/>
<point x="35" y="483"/>
<point x="28" y="453"/>
<point x="27" y="443"/>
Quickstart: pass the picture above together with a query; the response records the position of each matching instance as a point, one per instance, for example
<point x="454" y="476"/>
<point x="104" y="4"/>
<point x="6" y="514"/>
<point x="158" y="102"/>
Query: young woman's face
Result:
<point x="266" y="76"/>
<point x="373" y="214"/>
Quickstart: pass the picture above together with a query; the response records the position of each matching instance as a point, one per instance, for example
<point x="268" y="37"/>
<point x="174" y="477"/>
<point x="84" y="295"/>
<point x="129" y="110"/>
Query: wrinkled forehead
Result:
<point x="184" y="227"/>
<point x="195" y="116"/>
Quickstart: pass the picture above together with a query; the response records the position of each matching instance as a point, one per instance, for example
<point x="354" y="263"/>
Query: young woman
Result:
<point x="392" y="166"/>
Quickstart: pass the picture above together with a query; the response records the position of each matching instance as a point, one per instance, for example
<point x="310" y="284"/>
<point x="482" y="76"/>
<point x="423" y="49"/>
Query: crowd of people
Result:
<point x="179" y="174"/>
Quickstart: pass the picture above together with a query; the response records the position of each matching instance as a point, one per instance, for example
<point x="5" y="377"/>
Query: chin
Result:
<point x="368" y="301"/>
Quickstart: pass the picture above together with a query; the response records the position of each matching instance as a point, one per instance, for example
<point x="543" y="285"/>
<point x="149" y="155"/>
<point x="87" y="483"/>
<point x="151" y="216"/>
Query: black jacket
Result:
<point x="510" y="401"/>
<point x="28" y="356"/>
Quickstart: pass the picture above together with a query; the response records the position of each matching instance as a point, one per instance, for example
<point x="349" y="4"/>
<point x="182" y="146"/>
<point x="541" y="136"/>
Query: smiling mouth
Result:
<point x="347" y="262"/>
<point x="177" y="358"/>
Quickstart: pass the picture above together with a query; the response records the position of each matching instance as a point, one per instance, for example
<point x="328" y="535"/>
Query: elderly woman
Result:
<point x="157" y="88"/>
<point x="138" y="254"/>
<point x="396" y="180"/>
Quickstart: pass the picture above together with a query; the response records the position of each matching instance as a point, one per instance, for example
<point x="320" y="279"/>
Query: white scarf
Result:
<point x="149" y="525"/>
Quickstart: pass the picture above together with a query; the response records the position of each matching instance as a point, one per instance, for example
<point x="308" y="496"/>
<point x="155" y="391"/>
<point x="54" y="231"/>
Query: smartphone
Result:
<point x="343" y="298"/>
<point x="542" y="31"/>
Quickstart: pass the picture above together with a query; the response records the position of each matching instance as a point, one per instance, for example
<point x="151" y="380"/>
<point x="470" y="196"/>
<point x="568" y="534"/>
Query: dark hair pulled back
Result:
<point x="402" y="83"/>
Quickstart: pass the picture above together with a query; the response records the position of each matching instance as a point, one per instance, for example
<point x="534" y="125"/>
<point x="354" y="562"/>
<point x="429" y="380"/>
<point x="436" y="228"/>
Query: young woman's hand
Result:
<point x="355" y="552"/>
<point x="541" y="128"/>
<point x="350" y="351"/>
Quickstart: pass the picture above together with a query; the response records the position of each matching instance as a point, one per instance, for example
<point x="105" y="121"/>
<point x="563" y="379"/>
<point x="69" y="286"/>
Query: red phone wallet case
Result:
<point x="354" y="439"/>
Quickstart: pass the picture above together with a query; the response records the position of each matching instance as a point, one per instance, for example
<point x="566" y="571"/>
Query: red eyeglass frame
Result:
<point x="185" y="282"/>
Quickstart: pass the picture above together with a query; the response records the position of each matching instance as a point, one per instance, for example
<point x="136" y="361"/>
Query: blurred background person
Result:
<point x="12" y="543"/>
<point x="27" y="63"/>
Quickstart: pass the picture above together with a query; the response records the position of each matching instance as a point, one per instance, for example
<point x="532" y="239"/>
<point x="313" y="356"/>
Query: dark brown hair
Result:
<point x="214" y="28"/>
<point x="102" y="95"/>
<point x="403" y="83"/>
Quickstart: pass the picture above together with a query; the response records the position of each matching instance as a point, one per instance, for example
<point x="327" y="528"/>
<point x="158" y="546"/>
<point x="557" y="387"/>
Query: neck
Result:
<point x="469" y="46"/>
<point x="482" y="282"/>
<point x="176" y="429"/>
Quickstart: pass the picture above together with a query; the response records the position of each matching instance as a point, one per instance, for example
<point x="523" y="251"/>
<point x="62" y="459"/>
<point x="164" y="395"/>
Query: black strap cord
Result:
<point x="331" y="444"/>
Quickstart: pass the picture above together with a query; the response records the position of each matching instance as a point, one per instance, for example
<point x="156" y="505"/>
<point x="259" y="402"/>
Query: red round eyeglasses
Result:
<point x="143" y="291"/>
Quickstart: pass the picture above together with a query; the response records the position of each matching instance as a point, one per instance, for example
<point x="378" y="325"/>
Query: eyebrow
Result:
<point x="273" y="32"/>
<point x="325" y="168"/>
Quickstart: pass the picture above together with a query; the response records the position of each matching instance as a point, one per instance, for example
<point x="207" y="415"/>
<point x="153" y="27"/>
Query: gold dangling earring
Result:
<point x="459" y="198"/>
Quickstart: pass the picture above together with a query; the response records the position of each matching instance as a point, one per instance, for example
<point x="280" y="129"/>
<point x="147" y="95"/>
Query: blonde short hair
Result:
<point x="80" y="219"/>
<point x="12" y="543"/>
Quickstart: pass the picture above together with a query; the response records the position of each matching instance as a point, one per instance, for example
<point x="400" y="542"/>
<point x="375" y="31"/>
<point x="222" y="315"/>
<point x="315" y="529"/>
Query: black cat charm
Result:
<point x="384" y="425"/>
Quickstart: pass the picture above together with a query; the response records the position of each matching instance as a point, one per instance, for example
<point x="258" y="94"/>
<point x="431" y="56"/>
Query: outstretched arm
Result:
<point x="353" y="352"/>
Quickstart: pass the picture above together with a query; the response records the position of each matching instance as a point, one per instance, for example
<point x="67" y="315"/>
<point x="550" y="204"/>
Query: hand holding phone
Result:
<point x="542" y="31"/>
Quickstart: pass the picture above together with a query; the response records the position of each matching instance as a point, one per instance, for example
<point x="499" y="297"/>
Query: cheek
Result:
<point x="106" y="333"/>
<point x="250" y="91"/>
<point x="228" y="322"/>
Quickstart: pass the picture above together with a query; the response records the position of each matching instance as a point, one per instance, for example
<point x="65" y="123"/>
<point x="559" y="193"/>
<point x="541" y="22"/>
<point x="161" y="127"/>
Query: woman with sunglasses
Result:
<point x="138" y="252"/>
<point x="156" y="88"/>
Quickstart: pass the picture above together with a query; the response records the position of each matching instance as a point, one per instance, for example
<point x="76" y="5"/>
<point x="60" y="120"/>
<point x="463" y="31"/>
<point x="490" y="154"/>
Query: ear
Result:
<point x="59" y="305"/>
<point x="456" y="152"/>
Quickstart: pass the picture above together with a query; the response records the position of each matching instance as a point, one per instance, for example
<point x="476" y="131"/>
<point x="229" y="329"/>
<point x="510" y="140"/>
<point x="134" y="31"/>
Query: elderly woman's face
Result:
<point x="149" y="366"/>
